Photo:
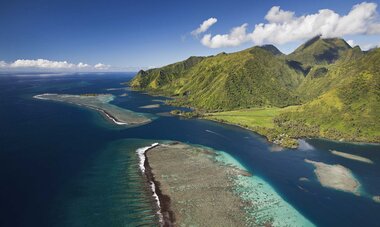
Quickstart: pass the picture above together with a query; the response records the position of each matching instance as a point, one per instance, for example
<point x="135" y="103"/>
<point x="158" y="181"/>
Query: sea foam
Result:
<point x="141" y="154"/>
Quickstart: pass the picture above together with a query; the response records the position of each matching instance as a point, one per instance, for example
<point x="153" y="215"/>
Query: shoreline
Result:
<point x="108" y="115"/>
<point x="257" y="132"/>
<point x="165" y="214"/>
<point x="298" y="138"/>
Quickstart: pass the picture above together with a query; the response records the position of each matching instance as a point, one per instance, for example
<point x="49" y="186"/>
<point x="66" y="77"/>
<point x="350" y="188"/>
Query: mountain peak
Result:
<point x="320" y="50"/>
<point x="311" y="41"/>
<point x="271" y="48"/>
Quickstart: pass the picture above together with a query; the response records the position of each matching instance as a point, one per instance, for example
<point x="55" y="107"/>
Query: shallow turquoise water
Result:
<point x="267" y="206"/>
<point x="62" y="165"/>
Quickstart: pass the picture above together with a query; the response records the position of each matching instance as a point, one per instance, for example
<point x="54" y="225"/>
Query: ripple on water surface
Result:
<point x="110" y="192"/>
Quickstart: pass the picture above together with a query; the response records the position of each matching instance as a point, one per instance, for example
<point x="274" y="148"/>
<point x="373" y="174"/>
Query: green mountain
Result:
<point x="156" y="78"/>
<point x="348" y="107"/>
<point x="320" y="51"/>
<point x="253" y="77"/>
<point x="272" y="49"/>
<point x="333" y="88"/>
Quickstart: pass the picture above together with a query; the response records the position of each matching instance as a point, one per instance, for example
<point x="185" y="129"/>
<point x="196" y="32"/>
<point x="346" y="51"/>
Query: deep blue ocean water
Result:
<point x="61" y="165"/>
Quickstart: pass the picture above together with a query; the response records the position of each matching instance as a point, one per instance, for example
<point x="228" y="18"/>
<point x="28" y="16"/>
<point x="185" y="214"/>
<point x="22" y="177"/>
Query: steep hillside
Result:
<point x="349" y="110"/>
<point x="250" y="78"/>
<point x="322" y="78"/>
<point x="155" y="78"/>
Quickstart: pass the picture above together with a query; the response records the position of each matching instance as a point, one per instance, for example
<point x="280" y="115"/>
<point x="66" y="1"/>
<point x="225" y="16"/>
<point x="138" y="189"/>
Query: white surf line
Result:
<point x="112" y="118"/>
<point x="155" y="196"/>
<point x="108" y="115"/>
<point x="141" y="154"/>
<point x="40" y="96"/>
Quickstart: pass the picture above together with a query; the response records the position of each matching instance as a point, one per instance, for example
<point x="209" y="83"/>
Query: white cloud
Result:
<point x="351" y="42"/>
<point x="101" y="66"/>
<point x="83" y="65"/>
<point x="237" y="36"/>
<point x="41" y="63"/>
<point x="48" y="64"/>
<point x="277" y="15"/>
<point x="283" y="26"/>
<point x="369" y="46"/>
<point x="204" y="26"/>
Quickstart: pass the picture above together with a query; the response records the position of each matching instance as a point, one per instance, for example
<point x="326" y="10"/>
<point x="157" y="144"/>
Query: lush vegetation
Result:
<point x="253" y="77"/>
<point x="350" y="109"/>
<point x="260" y="120"/>
<point x="320" y="51"/>
<point x="334" y="90"/>
<point x="186" y="114"/>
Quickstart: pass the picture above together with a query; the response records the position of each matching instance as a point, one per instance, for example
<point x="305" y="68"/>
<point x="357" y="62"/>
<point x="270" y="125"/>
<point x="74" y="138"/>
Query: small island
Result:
<point x="195" y="185"/>
<point x="336" y="176"/>
<point x="100" y="103"/>
<point x="352" y="157"/>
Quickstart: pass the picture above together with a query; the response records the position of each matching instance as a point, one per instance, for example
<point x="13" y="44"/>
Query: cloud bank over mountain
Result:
<point x="284" y="26"/>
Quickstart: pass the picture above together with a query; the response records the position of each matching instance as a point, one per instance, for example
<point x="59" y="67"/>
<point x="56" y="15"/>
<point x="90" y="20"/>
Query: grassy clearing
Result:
<point x="260" y="120"/>
<point x="255" y="117"/>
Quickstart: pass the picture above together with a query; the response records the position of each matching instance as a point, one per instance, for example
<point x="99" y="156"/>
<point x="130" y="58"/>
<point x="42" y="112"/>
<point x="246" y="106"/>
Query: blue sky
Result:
<point x="138" y="33"/>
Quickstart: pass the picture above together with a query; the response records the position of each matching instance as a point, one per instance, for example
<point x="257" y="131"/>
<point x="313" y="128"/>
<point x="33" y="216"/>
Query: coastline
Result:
<point x="255" y="131"/>
<point x="108" y="115"/>
<point x="291" y="147"/>
<point x="166" y="215"/>
<point x="288" y="142"/>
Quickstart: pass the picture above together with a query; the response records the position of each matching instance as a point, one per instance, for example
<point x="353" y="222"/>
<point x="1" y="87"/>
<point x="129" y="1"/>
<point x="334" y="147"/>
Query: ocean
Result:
<point x="63" y="165"/>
